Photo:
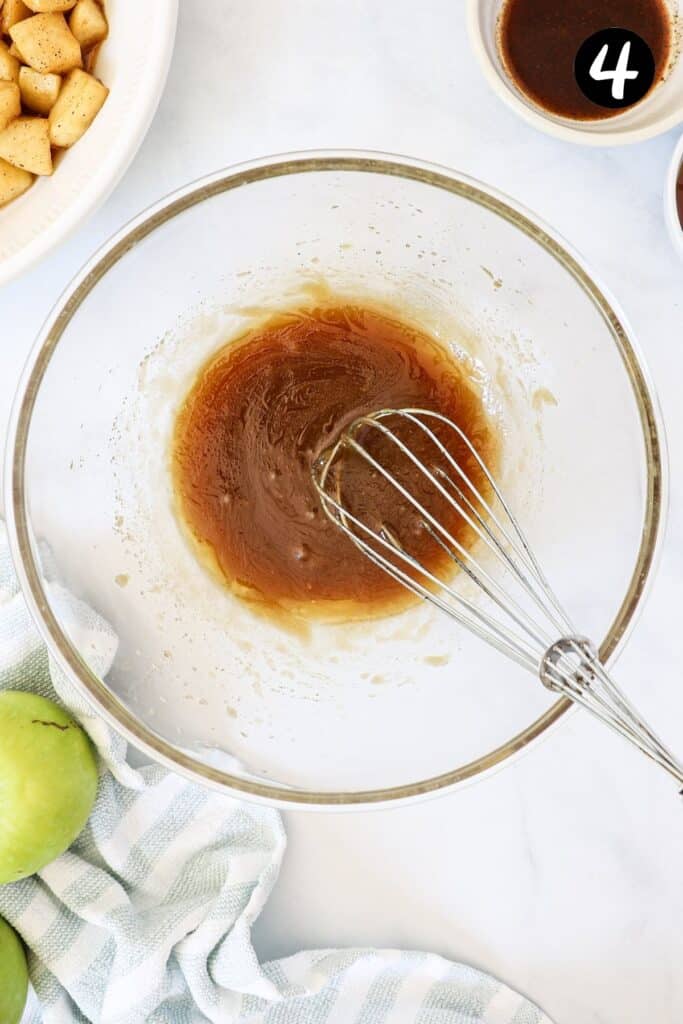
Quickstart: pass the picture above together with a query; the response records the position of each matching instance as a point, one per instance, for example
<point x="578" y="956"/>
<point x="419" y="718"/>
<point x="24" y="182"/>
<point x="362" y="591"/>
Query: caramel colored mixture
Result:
<point x="262" y="411"/>
<point x="539" y="40"/>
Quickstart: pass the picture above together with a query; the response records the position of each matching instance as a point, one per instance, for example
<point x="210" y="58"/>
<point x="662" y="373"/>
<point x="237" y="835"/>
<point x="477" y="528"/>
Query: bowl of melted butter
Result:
<point x="162" y="443"/>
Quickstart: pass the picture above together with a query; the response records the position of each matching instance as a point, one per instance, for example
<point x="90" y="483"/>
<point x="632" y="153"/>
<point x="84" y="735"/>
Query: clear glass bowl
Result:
<point x="349" y="714"/>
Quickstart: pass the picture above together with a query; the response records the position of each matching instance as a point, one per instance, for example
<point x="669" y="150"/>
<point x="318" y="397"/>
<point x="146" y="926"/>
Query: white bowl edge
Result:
<point x="673" y="222"/>
<point x="102" y="183"/>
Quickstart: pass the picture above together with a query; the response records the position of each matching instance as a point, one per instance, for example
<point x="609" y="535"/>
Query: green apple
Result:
<point x="48" y="783"/>
<point x="13" y="976"/>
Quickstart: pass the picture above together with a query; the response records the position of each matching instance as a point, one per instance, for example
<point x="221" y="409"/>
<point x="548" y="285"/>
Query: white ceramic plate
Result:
<point x="133" y="63"/>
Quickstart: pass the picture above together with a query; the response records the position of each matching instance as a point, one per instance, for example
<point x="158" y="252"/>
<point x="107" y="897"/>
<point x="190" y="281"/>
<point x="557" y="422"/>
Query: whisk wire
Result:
<point x="513" y="610"/>
<point x="484" y="532"/>
<point x="589" y="685"/>
<point x="493" y="585"/>
<point x="519" y="546"/>
<point x="476" y="618"/>
<point x="547" y="646"/>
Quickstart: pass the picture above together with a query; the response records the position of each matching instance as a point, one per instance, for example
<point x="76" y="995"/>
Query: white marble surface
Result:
<point x="562" y="874"/>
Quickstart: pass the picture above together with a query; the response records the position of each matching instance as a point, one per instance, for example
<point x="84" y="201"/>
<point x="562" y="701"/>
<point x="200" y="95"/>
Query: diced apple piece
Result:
<point x="77" y="105"/>
<point x="46" y="44"/>
<point x="12" y="12"/>
<point x="38" y="92"/>
<point x="10" y="103"/>
<point x="26" y="144"/>
<point x="90" y="58"/>
<point x="47" y="6"/>
<point x="13" y="182"/>
<point x="88" y="23"/>
<point x="9" y="65"/>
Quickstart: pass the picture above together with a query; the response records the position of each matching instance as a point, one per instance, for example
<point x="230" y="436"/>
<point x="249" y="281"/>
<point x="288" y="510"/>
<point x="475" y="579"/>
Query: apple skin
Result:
<point x="48" y="783"/>
<point x="13" y="976"/>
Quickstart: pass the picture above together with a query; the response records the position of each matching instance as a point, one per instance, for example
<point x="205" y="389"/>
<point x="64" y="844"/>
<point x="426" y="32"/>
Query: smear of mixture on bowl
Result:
<point x="259" y="414"/>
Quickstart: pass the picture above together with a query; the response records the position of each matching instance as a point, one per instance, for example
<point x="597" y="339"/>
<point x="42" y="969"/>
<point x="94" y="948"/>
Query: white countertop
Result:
<point x="563" y="874"/>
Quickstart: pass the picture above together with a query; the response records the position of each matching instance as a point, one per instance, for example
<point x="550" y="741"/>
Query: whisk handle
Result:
<point x="572" y="667"/>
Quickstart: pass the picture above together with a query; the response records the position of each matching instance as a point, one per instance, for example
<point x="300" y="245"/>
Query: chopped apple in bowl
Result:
<point x="49" y="95"/>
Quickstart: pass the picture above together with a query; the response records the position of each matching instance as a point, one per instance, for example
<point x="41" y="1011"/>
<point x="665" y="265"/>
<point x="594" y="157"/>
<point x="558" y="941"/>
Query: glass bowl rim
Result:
<point x="94" y="689"/>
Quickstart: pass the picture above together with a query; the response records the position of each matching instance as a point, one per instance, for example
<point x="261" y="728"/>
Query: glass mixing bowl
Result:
<point x="343" y="714"/>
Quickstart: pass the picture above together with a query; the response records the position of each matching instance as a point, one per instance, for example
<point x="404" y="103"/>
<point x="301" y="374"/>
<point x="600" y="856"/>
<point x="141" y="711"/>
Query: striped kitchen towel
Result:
<point x="147" y="918"/>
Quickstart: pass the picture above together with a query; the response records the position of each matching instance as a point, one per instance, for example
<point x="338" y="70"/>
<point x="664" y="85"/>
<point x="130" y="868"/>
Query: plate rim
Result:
<point x="90" y="199"/>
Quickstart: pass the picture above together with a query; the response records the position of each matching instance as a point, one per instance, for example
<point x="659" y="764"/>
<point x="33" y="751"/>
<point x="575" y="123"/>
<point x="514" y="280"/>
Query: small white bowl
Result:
<point x="133" y="63"/>
<point x="673" y="221"/>
<point x="658" y="113"/>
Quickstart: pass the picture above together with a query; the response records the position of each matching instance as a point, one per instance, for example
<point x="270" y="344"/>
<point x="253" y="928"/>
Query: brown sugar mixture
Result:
<point x="539" y="40"/>
<point x="260" y="413"/>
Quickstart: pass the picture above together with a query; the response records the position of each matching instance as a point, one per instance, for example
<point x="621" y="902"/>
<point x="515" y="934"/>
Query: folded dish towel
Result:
<point x="147" y="918"/>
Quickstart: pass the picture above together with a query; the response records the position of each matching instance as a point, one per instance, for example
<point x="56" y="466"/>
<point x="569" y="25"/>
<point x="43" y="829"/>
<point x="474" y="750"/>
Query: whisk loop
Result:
<point x="522" y="617"/>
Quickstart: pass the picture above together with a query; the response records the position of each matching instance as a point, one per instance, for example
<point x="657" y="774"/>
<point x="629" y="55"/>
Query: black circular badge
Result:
<point x="614" y="68"/>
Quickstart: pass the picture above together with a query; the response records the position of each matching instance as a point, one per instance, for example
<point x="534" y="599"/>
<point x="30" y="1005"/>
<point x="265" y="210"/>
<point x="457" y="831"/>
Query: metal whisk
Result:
<point x="522" y="618"/>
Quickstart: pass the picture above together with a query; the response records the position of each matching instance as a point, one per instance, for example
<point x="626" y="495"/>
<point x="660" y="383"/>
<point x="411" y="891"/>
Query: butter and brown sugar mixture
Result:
<point x="259" y="414"/>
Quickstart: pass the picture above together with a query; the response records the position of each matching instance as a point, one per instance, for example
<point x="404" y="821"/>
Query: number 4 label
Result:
<point x="609" y="86"/>
<point x="619" y="75"/>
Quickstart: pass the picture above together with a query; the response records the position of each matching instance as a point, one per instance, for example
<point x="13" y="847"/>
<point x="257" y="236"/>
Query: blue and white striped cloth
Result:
<point x="147" y="918"/>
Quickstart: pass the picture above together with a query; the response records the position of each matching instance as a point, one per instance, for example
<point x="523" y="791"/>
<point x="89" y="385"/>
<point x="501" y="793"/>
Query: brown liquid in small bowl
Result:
<point x="539" y="39"/>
